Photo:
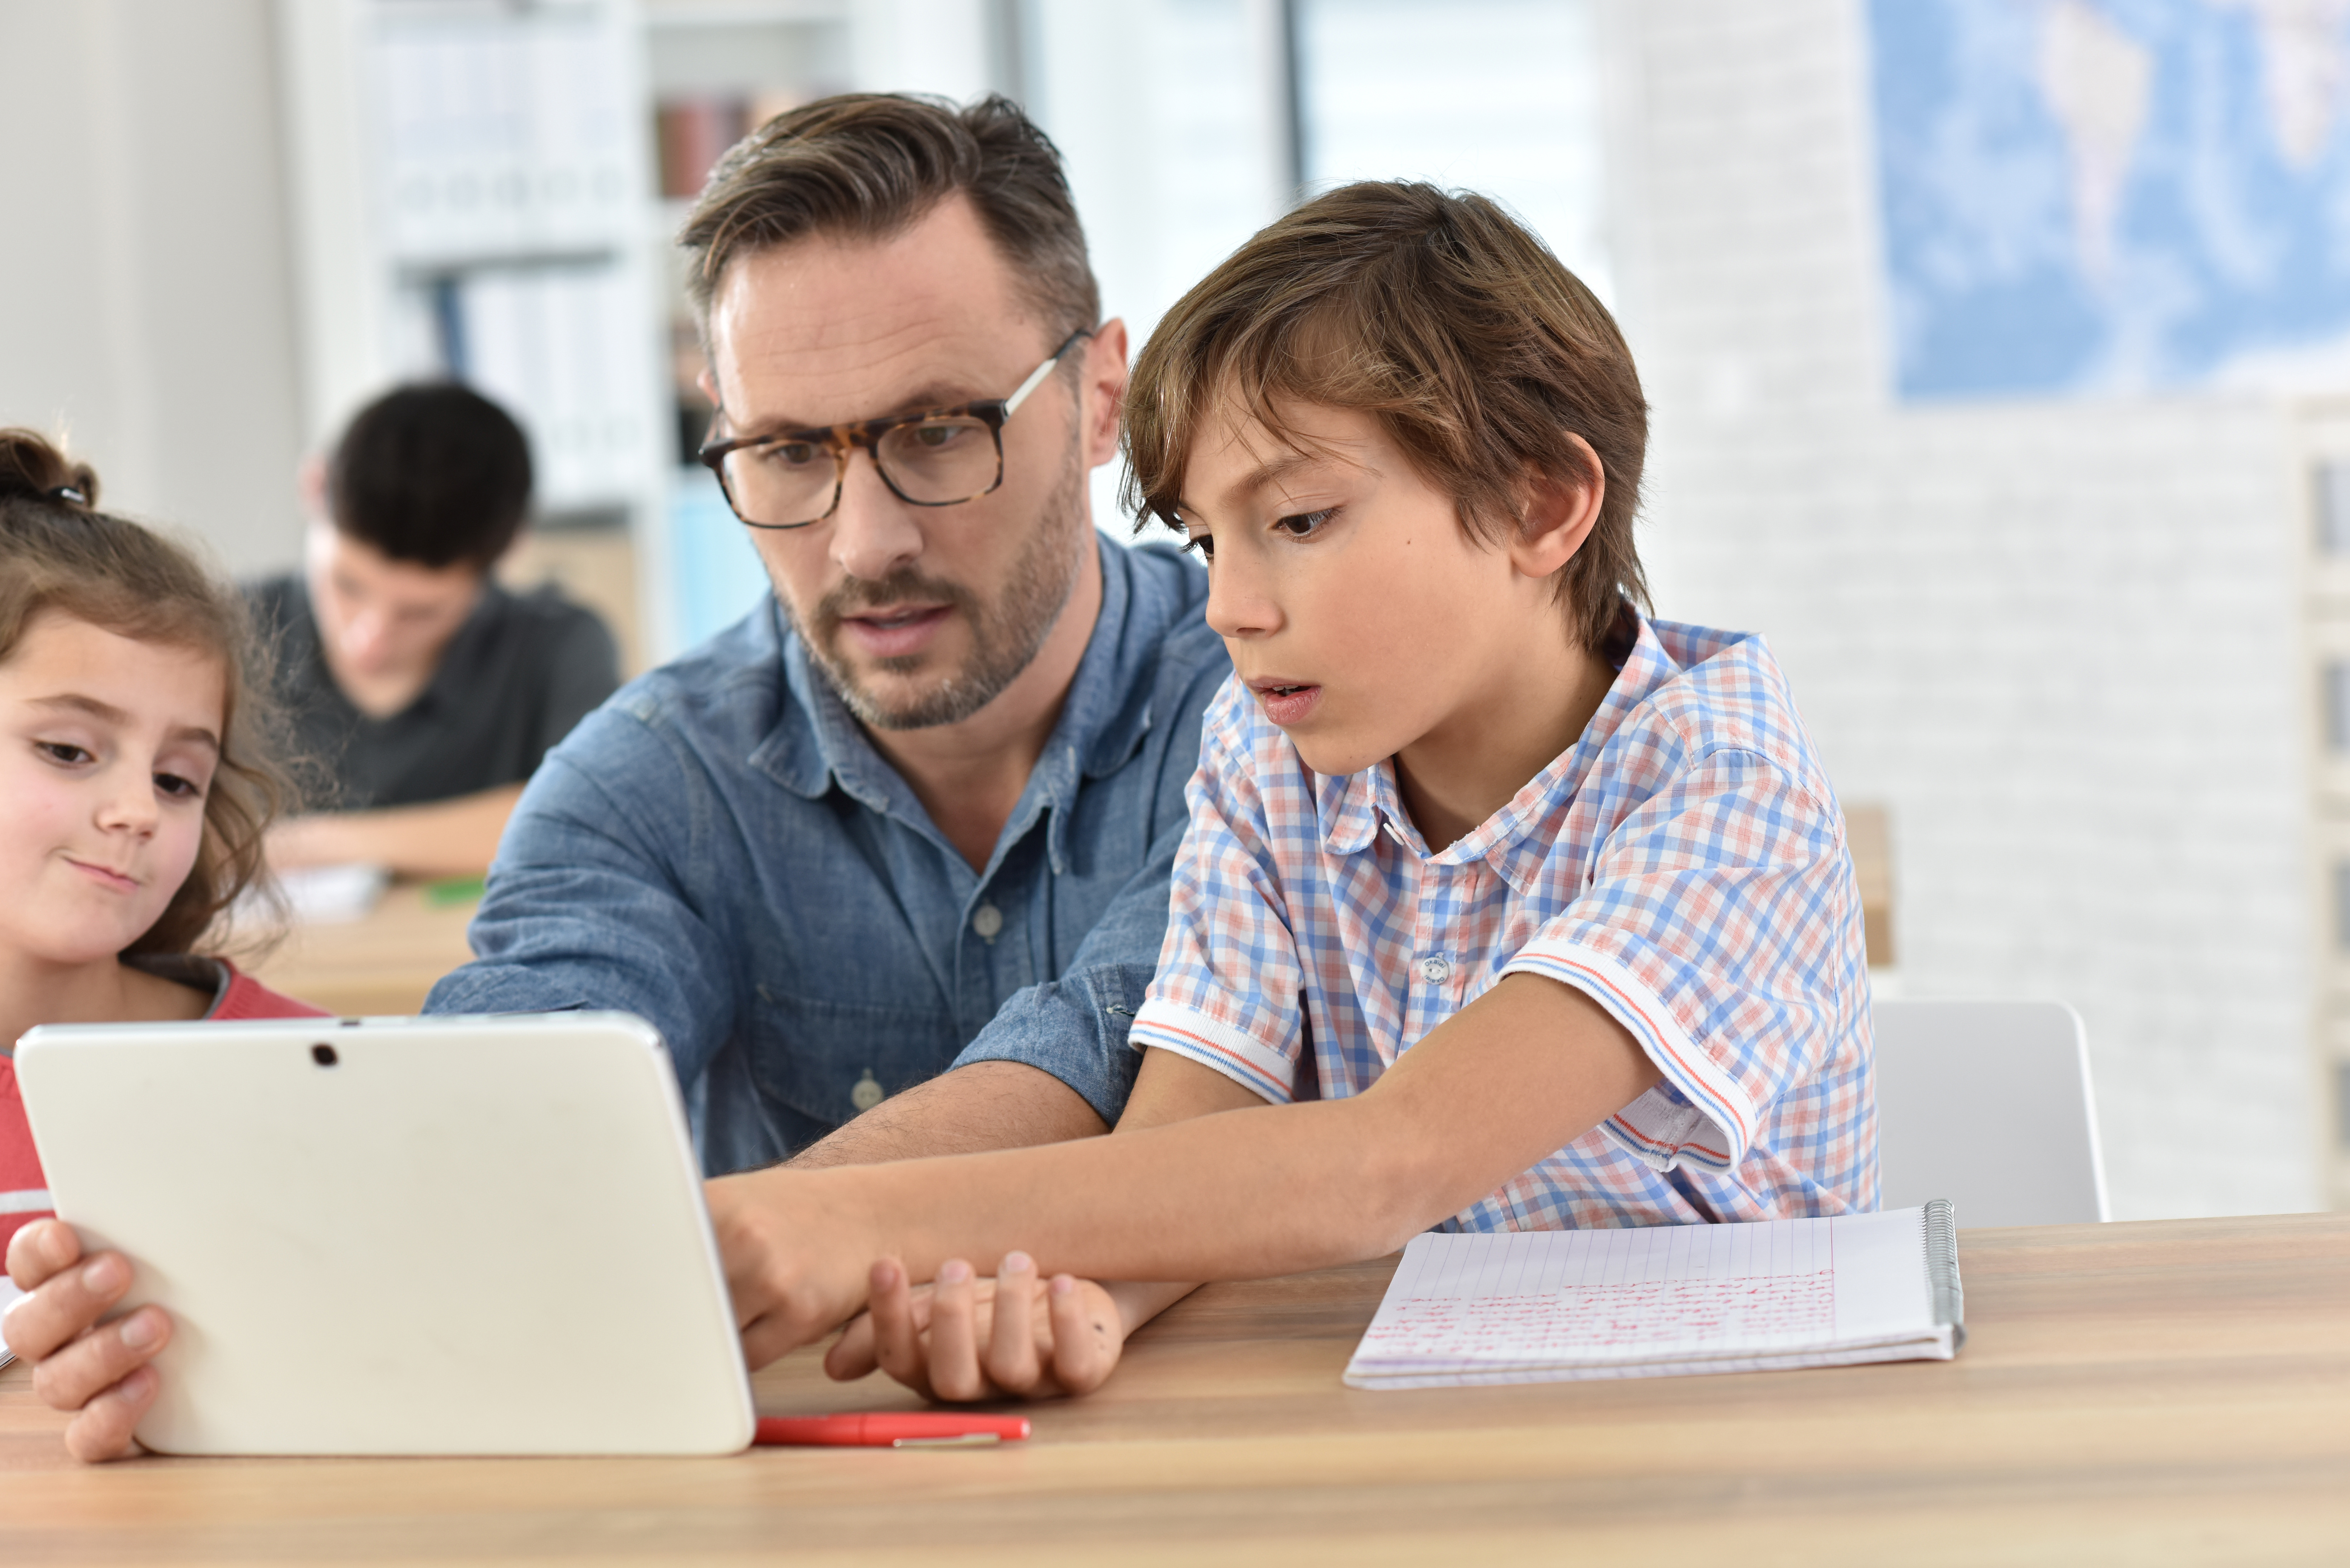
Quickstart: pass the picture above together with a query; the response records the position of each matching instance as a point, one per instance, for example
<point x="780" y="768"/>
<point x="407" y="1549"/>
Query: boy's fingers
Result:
<point x="39" y="1250"/>
<point x="1085" y="1352"/>
<point x="896" y="1336"/>
<point x="68" y="1303"/>
<point x="1012" y="1346"/>
<point x="954" y="1335"/>
<point x="852" y="1355"/>
<point x="90" y="1366"/>
<point x="102" y="1431"/>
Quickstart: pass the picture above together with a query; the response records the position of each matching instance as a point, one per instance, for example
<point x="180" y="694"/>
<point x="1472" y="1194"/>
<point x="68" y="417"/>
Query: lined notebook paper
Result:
<point x="1536" y="1307"/>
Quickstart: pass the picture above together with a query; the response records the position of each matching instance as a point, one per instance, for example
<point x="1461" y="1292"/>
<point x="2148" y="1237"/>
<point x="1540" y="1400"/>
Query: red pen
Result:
<point x="886" y="1429"/>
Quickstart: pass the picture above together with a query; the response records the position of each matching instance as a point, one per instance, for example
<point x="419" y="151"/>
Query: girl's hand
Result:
<point x="1013" y="1336"/>
<point x="99" y="1372"/>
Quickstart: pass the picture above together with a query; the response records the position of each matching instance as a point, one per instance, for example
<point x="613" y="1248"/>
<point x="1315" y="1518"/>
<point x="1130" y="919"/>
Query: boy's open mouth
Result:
<point x="1286" y="701"/>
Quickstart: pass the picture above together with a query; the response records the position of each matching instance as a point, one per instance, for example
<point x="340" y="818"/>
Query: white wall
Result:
<point x="2059" y="639"/>
<point x="145" y="303"/>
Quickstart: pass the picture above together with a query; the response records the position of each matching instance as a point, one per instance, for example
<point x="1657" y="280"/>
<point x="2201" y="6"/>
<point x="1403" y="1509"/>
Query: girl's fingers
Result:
<point x="954" y="1335"/>
<point x="88" y="1367"/>
<point x="1085" y="1348"/>
<point x="1011" y="1348"/>
<point x="102" y="1431"/>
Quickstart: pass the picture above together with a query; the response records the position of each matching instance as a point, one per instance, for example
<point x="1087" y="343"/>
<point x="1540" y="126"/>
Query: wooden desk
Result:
<point x="383" y="963"/>
<point x="2148" y="1393"/>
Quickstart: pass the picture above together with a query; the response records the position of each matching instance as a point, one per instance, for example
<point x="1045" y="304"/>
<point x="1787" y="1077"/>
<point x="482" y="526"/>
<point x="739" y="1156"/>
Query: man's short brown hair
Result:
<point x="868" y="166"/>
<point x="1440" y="316"/>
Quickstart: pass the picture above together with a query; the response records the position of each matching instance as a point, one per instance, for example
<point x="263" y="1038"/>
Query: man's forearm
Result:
<point x="986" y="1106"/>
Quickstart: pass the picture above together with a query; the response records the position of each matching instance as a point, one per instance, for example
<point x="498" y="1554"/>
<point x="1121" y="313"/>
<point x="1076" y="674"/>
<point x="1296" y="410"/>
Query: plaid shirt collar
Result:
<point x="1352" y="809"/>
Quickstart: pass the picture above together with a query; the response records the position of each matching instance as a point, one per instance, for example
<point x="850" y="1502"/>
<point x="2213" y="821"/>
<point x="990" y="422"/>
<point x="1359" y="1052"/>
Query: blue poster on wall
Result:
<point x="2101" y="196"/>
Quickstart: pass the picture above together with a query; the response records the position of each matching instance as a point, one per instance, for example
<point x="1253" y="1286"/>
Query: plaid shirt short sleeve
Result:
<point x="1684" y="864"/>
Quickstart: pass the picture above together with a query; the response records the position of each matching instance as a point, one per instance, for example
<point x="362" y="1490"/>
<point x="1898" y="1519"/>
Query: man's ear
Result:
<point x="1557" y="514"/>
<point x="1104" y="391"/>
<point x="709" y="385"/>
<point x="310" y="479"/>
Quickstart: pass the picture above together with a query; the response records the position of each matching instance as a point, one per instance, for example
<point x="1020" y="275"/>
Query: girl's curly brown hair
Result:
<point x="59" y="553"/>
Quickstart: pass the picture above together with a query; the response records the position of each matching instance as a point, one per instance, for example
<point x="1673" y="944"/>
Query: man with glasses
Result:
<point x="919" y="810"/>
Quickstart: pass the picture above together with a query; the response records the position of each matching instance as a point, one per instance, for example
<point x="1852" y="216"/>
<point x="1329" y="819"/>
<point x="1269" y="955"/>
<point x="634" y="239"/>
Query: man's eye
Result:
<point x="1304" y="524"/>
<point x="174" y="786"/>
<point x="791" y="453"/>
<point x="939" y="436"/>
<point x="63" y="752"/>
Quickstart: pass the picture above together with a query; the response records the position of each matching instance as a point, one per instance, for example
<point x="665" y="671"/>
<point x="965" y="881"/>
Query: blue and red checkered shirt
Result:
<point x="1683" y="863"/>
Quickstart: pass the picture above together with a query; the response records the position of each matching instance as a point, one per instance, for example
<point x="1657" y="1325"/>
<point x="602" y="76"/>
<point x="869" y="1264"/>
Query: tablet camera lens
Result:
<point x="324" y="1055"/>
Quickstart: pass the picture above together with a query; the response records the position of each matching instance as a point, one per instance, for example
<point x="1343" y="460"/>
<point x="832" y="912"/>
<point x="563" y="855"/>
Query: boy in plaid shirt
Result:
<point x="1501" y="905"/>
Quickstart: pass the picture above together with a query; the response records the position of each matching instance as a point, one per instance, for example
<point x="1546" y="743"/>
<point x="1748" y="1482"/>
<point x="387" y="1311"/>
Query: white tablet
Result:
<point x="400" y="1235"/>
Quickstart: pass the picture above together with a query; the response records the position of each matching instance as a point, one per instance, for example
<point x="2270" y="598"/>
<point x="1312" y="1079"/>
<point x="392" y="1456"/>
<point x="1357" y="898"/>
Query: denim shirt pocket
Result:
<point x="829" y="1060"/>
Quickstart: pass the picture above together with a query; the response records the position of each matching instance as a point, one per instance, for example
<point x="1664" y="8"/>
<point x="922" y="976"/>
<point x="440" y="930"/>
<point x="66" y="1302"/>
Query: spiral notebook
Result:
<point x="1540" y="1306"/>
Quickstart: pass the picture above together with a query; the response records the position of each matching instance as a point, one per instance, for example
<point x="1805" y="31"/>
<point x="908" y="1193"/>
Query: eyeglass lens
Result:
<point x="932" y="462"/>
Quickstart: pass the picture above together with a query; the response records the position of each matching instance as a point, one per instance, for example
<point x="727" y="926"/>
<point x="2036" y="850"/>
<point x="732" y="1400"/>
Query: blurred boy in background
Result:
<point x="424" y="689"/>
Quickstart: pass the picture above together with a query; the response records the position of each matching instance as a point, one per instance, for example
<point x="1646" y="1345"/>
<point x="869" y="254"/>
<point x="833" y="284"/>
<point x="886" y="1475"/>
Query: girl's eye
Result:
<point x="179" y="788"/>
<point x="1304" y="524"/>
<point x="63" y="752"/>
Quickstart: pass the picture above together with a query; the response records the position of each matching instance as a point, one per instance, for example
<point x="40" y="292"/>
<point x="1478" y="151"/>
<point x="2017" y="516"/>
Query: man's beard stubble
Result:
<point x="1005" y="635"/>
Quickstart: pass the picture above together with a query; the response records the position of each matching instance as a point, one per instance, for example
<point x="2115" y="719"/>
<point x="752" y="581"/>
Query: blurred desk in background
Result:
<point x="383" y="962"/>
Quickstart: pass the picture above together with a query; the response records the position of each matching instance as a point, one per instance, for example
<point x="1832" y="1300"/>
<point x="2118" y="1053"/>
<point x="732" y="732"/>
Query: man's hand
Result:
<point x="796" y="1254"/>
<point x="962" y="1338"/>
<point x="99" y="1372"/>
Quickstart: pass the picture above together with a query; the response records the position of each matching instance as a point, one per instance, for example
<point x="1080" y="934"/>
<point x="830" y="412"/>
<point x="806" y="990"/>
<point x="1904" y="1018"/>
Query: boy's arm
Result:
<point x="1527" y="1068"/>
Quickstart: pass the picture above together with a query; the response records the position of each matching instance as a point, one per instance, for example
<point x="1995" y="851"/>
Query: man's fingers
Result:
<point x="1012" y="1346"/>
<point x="73" y="1376"/>
<point x="102" y="1431"/>
<point x="67" y="1303"/>
<point x="1085" y="1349"/>
<point x="954" y="1335"/>
<point x="39" y="1250"/>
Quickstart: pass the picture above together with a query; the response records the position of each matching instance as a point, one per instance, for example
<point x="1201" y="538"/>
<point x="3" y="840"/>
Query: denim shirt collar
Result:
<point x="1516" y="839"/>
<point x="817" y="743"/>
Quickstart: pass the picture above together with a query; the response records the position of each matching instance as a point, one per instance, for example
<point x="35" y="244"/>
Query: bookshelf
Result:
<point x="2320" y="477"/>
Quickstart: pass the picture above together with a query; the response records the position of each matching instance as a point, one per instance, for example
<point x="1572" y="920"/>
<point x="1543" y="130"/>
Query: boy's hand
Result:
<point x="101" y="1373"/>
<point x="964" y="1339"/>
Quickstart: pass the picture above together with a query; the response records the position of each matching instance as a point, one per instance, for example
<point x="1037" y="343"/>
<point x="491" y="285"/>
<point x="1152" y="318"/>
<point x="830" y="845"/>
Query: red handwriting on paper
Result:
<point x="1608" y="1320"/>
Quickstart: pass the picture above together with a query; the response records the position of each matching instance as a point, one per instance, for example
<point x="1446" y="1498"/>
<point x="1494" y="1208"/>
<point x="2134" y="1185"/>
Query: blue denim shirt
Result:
<point x="720" y="850"/>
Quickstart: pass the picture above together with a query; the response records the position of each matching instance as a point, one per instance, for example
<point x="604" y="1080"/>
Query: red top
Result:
<point x="24" y="1191"/>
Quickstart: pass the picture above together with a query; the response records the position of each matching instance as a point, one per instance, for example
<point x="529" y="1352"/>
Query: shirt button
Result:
<point x="987" y="920"/>
<point x="1435" y="969"/>
<point x="867" y="1093"/>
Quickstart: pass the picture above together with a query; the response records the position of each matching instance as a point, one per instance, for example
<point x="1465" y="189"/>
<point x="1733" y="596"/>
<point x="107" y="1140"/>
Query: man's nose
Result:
<point x="873" y="532"/>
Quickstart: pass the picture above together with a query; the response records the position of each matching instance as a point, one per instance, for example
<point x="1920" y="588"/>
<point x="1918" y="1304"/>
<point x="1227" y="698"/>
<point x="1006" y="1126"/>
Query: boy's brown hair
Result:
<point x="869" y="165"/>
<point x="1440" y="317"/>
<point x="59" y="553"/>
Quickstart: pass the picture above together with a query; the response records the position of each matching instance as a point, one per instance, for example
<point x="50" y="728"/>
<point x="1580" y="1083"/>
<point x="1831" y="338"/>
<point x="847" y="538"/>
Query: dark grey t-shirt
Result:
<point x="521" y="671"/>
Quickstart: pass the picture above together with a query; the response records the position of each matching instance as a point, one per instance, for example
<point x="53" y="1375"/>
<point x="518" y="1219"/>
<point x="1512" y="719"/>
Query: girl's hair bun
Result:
<point x="31" y="469"/>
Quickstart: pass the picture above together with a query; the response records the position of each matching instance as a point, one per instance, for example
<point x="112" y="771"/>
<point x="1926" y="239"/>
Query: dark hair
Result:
<point x="869" y="165"/>
<point x="59" y="554"/>
<point x="434" y="474"/>
<point x="1440" y="316"/>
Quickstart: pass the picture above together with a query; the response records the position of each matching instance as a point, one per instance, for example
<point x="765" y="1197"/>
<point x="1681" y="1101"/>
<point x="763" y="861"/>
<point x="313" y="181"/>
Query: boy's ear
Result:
<point x="1557" y="514"/>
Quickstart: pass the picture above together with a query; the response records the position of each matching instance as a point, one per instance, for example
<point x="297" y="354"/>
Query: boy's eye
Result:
<point x="63" y="752"/>
<point x="1203" y="544"/>
<point x="1304" y="524"/>
<point x="180" y="788"/>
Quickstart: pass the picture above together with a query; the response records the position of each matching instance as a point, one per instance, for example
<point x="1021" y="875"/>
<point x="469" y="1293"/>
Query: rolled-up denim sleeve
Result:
<point x="587" y="905"/>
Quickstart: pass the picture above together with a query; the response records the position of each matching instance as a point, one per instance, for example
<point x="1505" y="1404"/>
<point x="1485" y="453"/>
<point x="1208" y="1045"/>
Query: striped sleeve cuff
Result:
<point x="1248" y="1061"/>
<point x="1711" y="1123"/>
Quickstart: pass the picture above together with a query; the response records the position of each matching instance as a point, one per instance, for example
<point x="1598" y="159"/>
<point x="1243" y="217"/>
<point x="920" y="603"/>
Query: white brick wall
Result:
<point x="2059" y="640"/>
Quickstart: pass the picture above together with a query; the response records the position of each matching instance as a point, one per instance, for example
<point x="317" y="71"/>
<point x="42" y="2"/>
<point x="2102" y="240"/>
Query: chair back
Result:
<point x="1988" y="1104"/>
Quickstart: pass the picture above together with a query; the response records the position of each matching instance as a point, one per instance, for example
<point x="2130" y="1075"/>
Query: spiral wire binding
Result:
<point x="1942" y="1270"/>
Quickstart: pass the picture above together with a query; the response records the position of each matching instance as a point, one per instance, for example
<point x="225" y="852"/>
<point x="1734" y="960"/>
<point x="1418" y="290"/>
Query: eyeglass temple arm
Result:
<point x="1036" y="377"/>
